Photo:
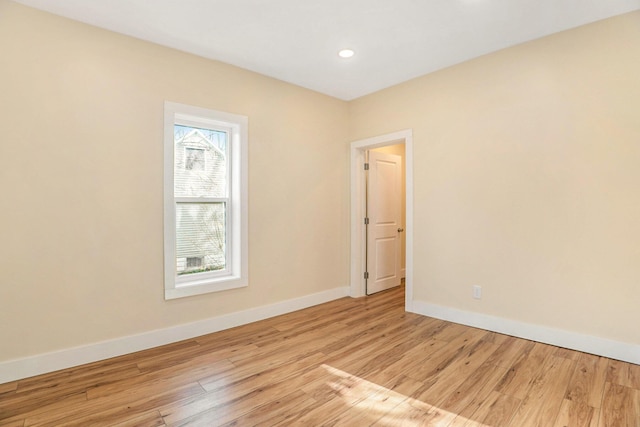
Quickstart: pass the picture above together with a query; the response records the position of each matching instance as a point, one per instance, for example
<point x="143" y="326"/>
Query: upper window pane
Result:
<point x="200" y="162"/>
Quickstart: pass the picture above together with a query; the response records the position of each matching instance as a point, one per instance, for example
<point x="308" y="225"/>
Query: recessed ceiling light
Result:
<point x="346" y="53"/>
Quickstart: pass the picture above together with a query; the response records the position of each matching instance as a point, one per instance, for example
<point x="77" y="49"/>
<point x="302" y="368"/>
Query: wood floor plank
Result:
<point x="620" y="407"/>
<point x="541" y="405"/>
<point x="496" y="338"/>
<point x="510" y="351"/>
<point x="19" y="411"/>
<point x="272" y="374"/>
<point x="396" y="348"/>
<point x="184" y="373"/>
<point x="240" y="337"/>
<point x="338" y="310"/>
<point x="437" y="361"/>
<point x="295" y="342"/>
<point x="349" y="362"/>
<point x="183" y="409"/>
<point x="148" y="419"/>
<point x="445" y="382"/>
<point x="137" y="357"/>
<point x="337" y="385"/>
<point x="452" y="331"/>
<point x="468" y="423"/>
<point x="388" y="325"/>
<point x="304" y="322"/>
<point x="634" y="376"/>
<point x="74" y="380"/>
<point x="587" y="384"/>
<point x="411" y="413"/>
<point x="495" y="411"/>
<point x="257" y="375"/>
<point x="273" y="412"/>
<point x="358" y="355"/>
<point x="475" y="390"/>
<point x="574" y="414"/>
<point x="318" y="414"/>
<point x="162" y="361"/>
<point x="243" y="407"/>
<point x="566" y="353"/>
<point x="624" y="374"/>
<point x="220" y="394"/>
<point x="524" y="370"/>
<point x="25" y="405"/>
<point x="436" y="417"/>
<point x="68" y="390"/>
<point x="352" y="400"/>
<point x="378" y="400"/>
<point x="8" y="387"/>
<point x="118" y="408"/>
<point x="409" y="362"/>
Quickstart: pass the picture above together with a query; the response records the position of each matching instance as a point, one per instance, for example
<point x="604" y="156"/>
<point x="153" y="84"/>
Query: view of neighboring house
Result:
<point x="200" y="179"/>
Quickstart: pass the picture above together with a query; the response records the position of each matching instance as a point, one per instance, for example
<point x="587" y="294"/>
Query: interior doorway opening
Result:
<point x="358" y="256"/>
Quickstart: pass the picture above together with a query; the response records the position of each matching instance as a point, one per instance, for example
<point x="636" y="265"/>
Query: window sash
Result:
<point x="181" y="280"/>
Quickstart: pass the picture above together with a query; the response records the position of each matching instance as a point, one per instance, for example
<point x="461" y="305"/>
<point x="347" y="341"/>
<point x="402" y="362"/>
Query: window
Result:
<point x="205" y="208"/>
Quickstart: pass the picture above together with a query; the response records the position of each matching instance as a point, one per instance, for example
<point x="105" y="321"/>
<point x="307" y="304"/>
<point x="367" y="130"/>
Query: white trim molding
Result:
<point x="626" y="352"/>
<point x="17" y="369"/>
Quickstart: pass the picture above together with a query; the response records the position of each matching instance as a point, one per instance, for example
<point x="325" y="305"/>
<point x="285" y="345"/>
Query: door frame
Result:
<point x="358" y="259"/>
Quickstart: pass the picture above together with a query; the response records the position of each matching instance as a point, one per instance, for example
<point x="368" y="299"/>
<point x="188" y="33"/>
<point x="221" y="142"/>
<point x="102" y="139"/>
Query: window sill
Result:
<point x="199" y="287"/>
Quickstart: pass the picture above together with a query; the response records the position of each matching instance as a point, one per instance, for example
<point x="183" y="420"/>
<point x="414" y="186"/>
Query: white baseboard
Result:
<point x="586" y="343"/>
<point x="16" y="369"/>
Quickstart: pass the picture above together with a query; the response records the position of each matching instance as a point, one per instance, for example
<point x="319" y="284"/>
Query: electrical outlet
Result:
<point x="477" y="292"/>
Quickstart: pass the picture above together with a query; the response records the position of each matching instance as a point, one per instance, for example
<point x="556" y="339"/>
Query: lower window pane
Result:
<point x="200" y="237"/>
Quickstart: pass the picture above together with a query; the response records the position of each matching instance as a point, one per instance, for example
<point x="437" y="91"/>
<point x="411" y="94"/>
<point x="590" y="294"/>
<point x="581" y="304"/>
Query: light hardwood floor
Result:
<point x="350" y="362"/>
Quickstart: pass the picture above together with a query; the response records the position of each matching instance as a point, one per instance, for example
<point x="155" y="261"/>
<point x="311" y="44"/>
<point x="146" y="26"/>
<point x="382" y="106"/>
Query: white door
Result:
<point x="384" y="189"/>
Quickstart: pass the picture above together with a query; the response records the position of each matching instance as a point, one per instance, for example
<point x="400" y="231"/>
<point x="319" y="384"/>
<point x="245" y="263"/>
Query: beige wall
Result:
<point x="81" y="113"/>
<point x="399" y="150"/>
<point x="525" y="175"/>
<point x="527" y="179"/>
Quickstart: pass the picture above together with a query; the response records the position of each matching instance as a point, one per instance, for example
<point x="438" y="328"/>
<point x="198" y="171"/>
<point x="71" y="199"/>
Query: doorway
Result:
<point x="358" y="210"/>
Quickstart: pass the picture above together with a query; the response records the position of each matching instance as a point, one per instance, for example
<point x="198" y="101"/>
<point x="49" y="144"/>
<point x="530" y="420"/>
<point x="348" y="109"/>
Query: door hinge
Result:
<point x="366" y="166"/>
<point x="366" y="221"/>
<point x="366" y="274"/>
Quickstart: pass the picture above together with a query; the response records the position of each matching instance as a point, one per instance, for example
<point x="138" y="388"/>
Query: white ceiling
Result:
<point x="297" y="40"/>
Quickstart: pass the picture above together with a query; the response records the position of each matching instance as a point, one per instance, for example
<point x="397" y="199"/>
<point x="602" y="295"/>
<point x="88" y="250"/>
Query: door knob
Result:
<point x="400" y="230"/>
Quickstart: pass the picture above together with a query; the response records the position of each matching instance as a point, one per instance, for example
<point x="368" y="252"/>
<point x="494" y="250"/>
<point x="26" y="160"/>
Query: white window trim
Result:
<point x="237" y="274"/>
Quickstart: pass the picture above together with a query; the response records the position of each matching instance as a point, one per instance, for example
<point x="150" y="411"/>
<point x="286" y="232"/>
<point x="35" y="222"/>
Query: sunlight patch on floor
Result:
<point x="385" y="407"/>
